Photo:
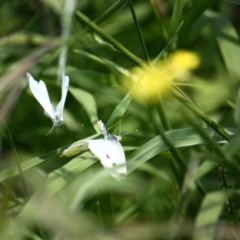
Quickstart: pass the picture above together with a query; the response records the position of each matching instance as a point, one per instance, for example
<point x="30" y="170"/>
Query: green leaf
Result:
<point x="205" y="168"/>
<point x="35" y="162"/>
<point x="234" y="1"/>
<point x="237" y="110"/>
<point x="62" y="176"/>
<point x="233" y="146"/>
<point x="209" y="214"/>
<point x="228" y="42"/>
<point x="120" y="110"/>
<point x="88" y="102"/>
<point x="115" y="68"/>
<point x="179" y="138"/>
<point x="190" y="17"/>
<point x="176" y="16"/>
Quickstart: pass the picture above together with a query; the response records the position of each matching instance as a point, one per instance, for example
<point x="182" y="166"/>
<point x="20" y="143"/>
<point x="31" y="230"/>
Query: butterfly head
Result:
<point x="119" y="138"/>
<point x="58" y="120"/>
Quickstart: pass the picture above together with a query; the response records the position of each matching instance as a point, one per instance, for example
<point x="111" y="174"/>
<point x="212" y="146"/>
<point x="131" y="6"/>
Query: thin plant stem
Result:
<point x="105" y="208"/>
<point x="221" y="154"/>
<point x="202" y="115"/>
<point x="139" y="32"/>
<point x="13" y="73"/>
<point x="184" y="198"/>
<point x="160" y="55"/>
<point x="24" y="185"/>
<point x="177" y="156"/>
<point x="177" y="12"/>
<point x="110" y="11"/>
<point x="68" y="12"/>
<point x="159" y="20"/>
<point x="219" y="151"/>
<point x="162" y="114"/>
<point x="115" y="43"/>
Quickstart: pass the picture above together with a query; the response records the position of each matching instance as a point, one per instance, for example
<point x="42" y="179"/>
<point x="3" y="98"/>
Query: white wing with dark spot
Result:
<point x="111" y="155"/>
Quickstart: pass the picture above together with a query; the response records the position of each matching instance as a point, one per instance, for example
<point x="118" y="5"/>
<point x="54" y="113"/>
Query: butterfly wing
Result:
<point x="111" y="155"/>
<point x="39" y="90"/>
<point x="116" y="155"/>
<point x="60" y="106"/>
<point x="99" y="148"/>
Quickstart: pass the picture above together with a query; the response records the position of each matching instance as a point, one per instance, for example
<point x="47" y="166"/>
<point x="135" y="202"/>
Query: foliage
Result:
<point x="183" y="160"/>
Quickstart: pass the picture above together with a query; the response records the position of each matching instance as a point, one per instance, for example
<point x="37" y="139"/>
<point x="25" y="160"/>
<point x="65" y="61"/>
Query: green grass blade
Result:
<point x="209" y="214"/>
<point x="140" y="36"/>
<point x="234" y="1"/>
<point x="120" y="110"/>
<point x="227" y="37"/>
<point x="35" y="162"/>
<point x="176" y="16"/>
<point x="232" y="147"/>
<point x="61" y="177"/>
<point x="18" y="162"/>
<point x="179" y="137"/>
<point x="88" y="102"/>
<point x="114" y="42"/>
<point x="110" y="11"/>
<point x="237" y="110"/>
<point x="194" y="12"/>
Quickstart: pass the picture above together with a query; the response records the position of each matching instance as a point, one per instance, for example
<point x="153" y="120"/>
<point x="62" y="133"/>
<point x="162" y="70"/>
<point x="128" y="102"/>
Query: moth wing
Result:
<point x="60" y="106"/>
<point x="39" y="91"/>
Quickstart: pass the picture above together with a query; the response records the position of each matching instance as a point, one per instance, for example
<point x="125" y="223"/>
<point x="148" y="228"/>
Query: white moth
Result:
<point x="40" y="92"/>
<point x="110" y="152"/>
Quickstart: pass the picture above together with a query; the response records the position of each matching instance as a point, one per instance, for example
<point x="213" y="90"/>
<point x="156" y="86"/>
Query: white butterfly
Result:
<point x="110" y="152"/>
<point x="39" y="90"/>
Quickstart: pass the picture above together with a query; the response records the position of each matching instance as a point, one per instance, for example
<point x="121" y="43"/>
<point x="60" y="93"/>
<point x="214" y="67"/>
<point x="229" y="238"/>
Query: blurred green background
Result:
<point x="183" y="160"/>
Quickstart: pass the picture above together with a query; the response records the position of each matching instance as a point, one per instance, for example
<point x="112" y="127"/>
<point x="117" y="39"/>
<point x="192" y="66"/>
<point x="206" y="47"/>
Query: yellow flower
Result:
<point x="181" y="62"/>
<point x="184" y="60"/>
<point x="152" y="83"/>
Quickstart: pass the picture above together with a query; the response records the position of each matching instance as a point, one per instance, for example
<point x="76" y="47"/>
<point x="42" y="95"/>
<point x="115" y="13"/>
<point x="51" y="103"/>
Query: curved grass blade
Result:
<point x="232" y="147"/>
<point x="35" y="162"/>
<point x="180" y="138"/>
<point x="59" y="178"/>
<point x="195" y="11"/>
<point x="88" y="102"/>
<point x="176" y="16"/>
<point x="237" y="110"/>
<point x="209" y="214"/>
<point x="227" y="39"/>
<point x="120" y="109"/>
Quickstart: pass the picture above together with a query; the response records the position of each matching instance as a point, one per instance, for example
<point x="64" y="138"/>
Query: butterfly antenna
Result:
<point x="71" y="123"/>
<point x="130" y="132"/>
<point x="120" y="127"/>
<point x="50" y="130"/>
<point x="125" y="114"/>
<point x="120" y="119"/>
<point x="57" y="131"/>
